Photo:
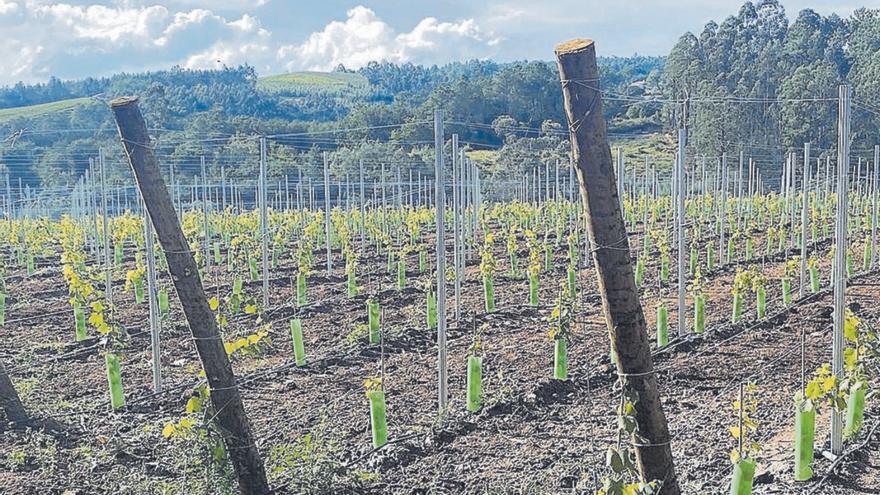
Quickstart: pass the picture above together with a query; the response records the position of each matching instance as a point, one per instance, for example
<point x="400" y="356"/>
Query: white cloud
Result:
<point x="74" y="41"/>
<point x="364" y="37"/>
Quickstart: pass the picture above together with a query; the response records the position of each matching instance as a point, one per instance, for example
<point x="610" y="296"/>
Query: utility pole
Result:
<point x="230" y="417"/>
<point x="612" y="259"/>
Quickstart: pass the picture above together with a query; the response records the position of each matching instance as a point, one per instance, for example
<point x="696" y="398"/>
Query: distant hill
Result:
<point x="297" y="80"/>
<point x="7" y="114"/>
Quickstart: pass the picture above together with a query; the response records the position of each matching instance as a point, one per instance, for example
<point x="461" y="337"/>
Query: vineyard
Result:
<point x="412" y="329"/>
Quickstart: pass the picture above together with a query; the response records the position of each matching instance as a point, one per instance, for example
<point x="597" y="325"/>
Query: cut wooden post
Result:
<point x="10" y="403"/>
<point x="611" y="257"/>
<point x="230" y="417"/>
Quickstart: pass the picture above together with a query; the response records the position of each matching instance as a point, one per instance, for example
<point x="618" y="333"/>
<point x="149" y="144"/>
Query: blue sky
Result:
<point x="74" y="39"/>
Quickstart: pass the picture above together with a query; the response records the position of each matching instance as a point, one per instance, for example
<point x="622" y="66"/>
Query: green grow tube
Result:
<point x="299" y="351"/>
<point x="693" y="260"/>
<point x="378" y="424"/>
<point x="117" y="253"/>
<point x="474" y="383"/>
<point x="533" y="289"/>
<point x="139" y="291"/>
<point x="79" y="317"/>
<point x="560" y="359"/>
<point x="401" y="273"/>
<point x="748" y="249"/>
<point x="30" y="264"/>
<point x="114" y="378"/>
<point x="640" y="271"/>
<point x="255" y="274"/>
<point x="423" y="261"/>
<point x="351" y="284"/>
<point x="489" y="293"/>
<point x="2" y="308"/>
<point x="805" y="433"/>
<point x="662" y="325"/>
<point x="217" y="258"/>
<point x="737" y="311"/>
<point x="373" y="319"/>
<point x="162" y="297"/>
<point x="743" y="474"/>
<point x="300" y="289"/>
<point x="572" y="281"/>
<point x="761" y="296"/>
<point x="431" y="309"/>
<point x="664" y="268"/>
<point x="786" y="291"/>
<point x="855" y="411"/>
<point x="814" y="279"/>
<point x="700" y="313"/>
<point x="710" y="258"/>
<point x="548" y="258"/>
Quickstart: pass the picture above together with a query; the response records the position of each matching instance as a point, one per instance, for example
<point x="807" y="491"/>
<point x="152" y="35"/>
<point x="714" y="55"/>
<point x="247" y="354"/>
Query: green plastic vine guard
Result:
<point x="79" y="317"/>
<point x="866" y="258"/>
<point x="693" y="260"/>
<point x="431" y="309"/>
<point x="743" y="474"/>
<point x="255" y="274"/>
<point x="162" y="297"/>
<point x="373" y="319"/>
<point x="401" y="273"/>
<point x="560" y="359"/>
<point x="710" y="257"/>
<point x="664" y="268"/>
<point x="139" y="291"/>
<point x="761" y="296"/>
<point x="533" y="289"/>
<point x="548" y="258"/>
<point x="699" y="313"/>
<point x="351" y="284"/>
<point x="2" y="308"/>
<point x="572" y="281"/>
<point x="114" y="378"/>
<point x="850" y="270"/>
<point x="423" y="261"/>
<point x="730" y="248"/>
<point x="474" y="383"/>
<point x="299" y="350"/>
<point x="489" y="293"/>
<point x="640" y="271"/>
<point x="786" y="291"/>
<point x="748" y="249"/>
<point x="217" y="258"/>
<point x="117" y="253"/>
<point x="378" y="424"/>
<point x="389" y="265"/>
<point x="805" y="433"/>
<point x="855" y="411"/>
<point x="662" y="325"/>
<point x="300" y="289"/>
<point x="736" y="314"/>
<point x="274" y="257"/>
<point x="30" y="264"/>
<point x="814" y="279"/>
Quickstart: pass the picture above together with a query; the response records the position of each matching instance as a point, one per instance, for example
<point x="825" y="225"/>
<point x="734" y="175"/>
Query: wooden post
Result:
<point x="10" y="403"/>
<point x="230" y="416"/>
<point x="611" y="257"/>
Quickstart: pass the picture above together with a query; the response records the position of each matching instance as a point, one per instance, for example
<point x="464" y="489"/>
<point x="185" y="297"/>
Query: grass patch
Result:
<point x="7" y="114"/>
<point x="297" y="80"/>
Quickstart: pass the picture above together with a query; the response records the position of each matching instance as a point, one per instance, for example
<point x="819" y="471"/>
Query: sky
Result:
<point x="76" y="39"/>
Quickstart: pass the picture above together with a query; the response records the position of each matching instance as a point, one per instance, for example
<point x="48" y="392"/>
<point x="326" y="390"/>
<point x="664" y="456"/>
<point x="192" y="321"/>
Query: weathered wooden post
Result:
<point x="611" y="257"/>
<point x="230" y="416"/>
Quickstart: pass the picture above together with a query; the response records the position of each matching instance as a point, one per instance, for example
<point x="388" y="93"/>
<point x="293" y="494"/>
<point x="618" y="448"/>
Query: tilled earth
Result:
<point x="533" y="435"/>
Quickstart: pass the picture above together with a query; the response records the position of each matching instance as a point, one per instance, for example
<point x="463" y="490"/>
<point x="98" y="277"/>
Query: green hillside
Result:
<point x="297" y="80"/>
<point x="7" y="114"/>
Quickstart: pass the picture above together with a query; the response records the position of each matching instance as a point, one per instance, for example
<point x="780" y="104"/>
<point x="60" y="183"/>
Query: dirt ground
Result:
<point x="533" y="434"/>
